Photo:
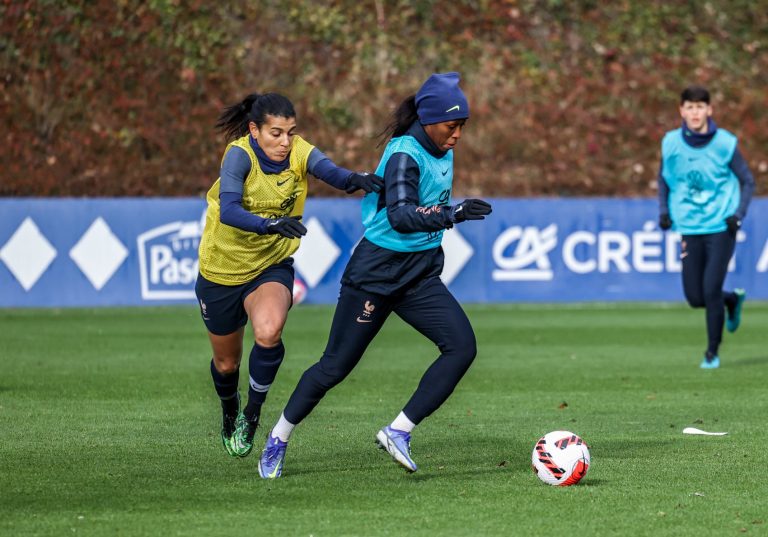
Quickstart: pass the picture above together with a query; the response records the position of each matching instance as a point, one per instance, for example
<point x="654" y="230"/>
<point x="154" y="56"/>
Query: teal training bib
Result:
<point x="435" y="182"/>
<point x="703" y="190"/>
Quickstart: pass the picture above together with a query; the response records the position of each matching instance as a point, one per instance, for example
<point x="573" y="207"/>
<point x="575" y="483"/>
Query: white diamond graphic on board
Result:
<point x="27" y="254"/>
<point x="317" y="253"/>
<point x="457" y="252"/>
<point x="98" y="253"/>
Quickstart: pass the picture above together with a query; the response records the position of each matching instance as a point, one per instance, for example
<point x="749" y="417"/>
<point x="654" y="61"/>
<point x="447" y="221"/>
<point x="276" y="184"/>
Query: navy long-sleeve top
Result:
<point x="401" y="190"/>
<point x="236" y="167"/>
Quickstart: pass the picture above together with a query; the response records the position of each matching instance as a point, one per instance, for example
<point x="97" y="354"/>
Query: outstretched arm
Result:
<point x="324" y="169"/>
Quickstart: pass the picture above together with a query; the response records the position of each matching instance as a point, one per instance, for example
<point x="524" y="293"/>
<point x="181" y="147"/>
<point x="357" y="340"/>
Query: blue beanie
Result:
<point x="440" y="99"/>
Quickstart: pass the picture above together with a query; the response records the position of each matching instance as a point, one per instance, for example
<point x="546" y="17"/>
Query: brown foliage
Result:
<point x="118" y="98"/>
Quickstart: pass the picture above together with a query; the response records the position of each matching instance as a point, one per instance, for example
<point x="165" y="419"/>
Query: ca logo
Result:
<point x="533" y="247"/>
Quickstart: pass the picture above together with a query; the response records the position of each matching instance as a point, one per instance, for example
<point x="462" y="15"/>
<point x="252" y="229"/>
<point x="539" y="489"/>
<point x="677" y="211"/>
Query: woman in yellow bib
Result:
<point x="253" y="226"/>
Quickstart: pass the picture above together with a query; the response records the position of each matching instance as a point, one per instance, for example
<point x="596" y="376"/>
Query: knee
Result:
<point x="226" y="365"/>
<point x="267" y="333"/>
<point x="470" y="352"/>
<point x="695" y="300"/>
<point x="463" y="347"/>
<point x="328" y="375"/>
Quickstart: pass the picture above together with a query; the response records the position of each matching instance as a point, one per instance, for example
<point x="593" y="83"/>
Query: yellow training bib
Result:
<point x="232" y="256"/>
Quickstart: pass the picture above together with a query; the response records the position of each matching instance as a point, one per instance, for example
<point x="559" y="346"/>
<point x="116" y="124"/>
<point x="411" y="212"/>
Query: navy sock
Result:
<point x="262" y="366"/>
<point x="730" y="300"/>
<point x="226" y="388"/>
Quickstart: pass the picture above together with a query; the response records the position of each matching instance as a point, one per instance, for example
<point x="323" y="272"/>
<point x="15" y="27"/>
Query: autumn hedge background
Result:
<point x="569" y="98"/>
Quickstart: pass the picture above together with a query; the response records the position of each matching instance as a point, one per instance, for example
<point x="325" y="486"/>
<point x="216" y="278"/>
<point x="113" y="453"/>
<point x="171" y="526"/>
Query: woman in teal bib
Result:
<point x="396" y="268"/>
<point x="705" y="187"/>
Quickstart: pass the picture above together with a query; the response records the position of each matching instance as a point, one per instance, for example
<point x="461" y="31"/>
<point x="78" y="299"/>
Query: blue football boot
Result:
<point x="398" y="444"/>
<point x="271" y="462"/>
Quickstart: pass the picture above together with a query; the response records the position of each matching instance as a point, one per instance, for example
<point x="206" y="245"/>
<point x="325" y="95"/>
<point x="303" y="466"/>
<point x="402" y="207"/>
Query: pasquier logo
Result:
<point x="168" y="260"/>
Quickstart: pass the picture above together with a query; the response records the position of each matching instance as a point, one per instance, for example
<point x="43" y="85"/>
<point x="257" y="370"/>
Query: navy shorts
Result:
<point x="221" y="306"/>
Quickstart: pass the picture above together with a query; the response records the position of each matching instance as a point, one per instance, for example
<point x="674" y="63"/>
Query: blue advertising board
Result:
<point x="131" y="251"/>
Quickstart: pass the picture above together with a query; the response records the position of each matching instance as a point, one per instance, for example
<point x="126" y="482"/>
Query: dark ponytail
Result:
<point x="402" y="118"/>
<point x="233" y="121"/>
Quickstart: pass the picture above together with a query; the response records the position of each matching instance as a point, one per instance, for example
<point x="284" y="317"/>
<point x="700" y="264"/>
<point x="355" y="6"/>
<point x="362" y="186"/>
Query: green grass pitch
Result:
<point x="109" y="426"/>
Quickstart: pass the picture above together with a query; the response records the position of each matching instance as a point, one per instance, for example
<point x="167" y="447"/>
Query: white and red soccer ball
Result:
<point x="560" y="458"/>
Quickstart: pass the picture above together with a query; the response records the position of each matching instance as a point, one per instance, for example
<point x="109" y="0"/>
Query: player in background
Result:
<point x="253" y="226"/>
<point x="396" y="268"/>
<point x="705" y="187"/>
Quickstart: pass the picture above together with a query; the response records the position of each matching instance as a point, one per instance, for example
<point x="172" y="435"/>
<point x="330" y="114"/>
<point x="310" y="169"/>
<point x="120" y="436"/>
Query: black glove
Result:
<point x="287" y="226"/>
<point x="471" y="209"/>
<point x="665" y="222"/>
<point x="734" y="223"/>
<point x="369" y="182"/>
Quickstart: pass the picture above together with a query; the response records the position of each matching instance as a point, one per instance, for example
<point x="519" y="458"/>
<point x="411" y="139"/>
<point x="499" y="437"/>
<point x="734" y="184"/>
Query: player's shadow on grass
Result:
<point x="431" y="474"/>
<point x="388" y="469"/>
<point x="477" y="458"/>
<point x="746" y="362"/>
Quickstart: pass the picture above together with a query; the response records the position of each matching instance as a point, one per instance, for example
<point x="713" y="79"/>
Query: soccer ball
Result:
<point x="560" y="458"/>
<point x="299" y="291"/>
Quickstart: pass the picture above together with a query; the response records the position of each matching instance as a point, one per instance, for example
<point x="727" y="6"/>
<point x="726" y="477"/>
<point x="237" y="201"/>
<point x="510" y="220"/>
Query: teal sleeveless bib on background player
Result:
<point x="703" y="190"/>
<point x="435" y="182"/>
